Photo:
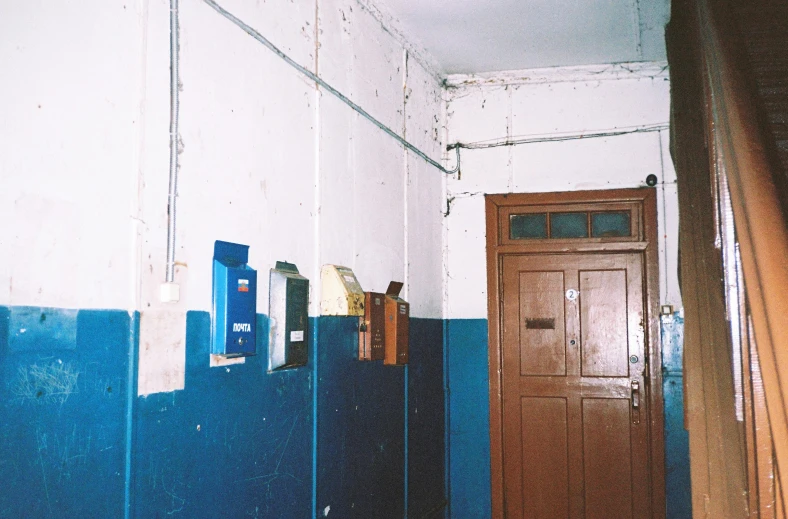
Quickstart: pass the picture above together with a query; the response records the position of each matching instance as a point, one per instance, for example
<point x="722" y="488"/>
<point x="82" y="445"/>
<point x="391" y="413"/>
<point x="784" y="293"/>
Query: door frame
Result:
<point x="645" y="241"/>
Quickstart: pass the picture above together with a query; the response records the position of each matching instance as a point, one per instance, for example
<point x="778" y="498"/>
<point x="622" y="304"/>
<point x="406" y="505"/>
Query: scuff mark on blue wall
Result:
<point x="63" y="410"/>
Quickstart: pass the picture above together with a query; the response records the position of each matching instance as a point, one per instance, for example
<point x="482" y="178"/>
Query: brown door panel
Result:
<point x="541" y="322"/>
<point x="603" y="323"/>
<point x="545" y="458"/>
<point x="574" y="445"/>
<point x="607" y="458"/>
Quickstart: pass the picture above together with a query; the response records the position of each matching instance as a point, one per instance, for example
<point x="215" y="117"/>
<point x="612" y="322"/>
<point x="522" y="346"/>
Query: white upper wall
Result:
<point x="544" y="104"/>
<point x="266" y="159"/>
<point x="69" y="103"/>
<point x="248" y="160"/>
<point x="269" y="160"/>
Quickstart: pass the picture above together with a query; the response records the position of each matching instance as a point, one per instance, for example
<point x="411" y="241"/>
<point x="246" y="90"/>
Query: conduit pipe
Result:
<point x="558" y="137"/>
<point x="456" y="146"/>
<point x="174" y="105"/>
<point x="314" y="77"/>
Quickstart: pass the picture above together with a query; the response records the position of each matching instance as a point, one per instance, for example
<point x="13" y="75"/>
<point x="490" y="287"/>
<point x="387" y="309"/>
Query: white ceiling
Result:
<point x="468" y="36"/>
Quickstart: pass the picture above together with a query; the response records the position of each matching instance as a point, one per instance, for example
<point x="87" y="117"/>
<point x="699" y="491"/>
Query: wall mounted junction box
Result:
<point x="341" y="292"/>
<point x="288" y="302"/>
<point x="234" y="315"/>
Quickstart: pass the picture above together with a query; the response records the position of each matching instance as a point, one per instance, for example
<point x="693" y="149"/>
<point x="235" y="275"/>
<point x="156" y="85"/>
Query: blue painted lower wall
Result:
<point x="362" y="412"/>
<point x="468" y="424"/>
<point x="64" y="410"/>
<point x="332" y="439"/>
<point x="360" y="428"/>
<point x="677" y="470"/>
<point x="426" y="427"/>
<point x="236" y="442"/>
<point x="469" y="419"/>
<point x="339" y="438"/>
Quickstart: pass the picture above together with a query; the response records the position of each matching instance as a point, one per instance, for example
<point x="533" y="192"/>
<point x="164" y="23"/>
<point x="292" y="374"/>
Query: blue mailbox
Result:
<point x="234" y="318"/>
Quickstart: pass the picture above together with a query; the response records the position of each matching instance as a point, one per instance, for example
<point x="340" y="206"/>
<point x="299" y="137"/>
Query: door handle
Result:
<point x="635" y="394"/>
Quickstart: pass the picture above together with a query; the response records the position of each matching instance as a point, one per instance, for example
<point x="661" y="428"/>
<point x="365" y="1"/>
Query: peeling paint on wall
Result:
<point x="162" y="352"/>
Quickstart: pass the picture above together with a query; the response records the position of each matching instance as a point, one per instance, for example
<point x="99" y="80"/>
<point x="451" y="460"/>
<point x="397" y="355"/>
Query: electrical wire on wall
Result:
<point x="509" y="141"/>
<point x="173" y="183"/>
<point x="553" y="137"/>
<point x="314" y="77"/>
<point x="558" y="137"/>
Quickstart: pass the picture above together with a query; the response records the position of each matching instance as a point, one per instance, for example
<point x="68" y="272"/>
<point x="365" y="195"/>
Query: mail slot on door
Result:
<point x="397" y="326"/>
<point x="372" y="328"/>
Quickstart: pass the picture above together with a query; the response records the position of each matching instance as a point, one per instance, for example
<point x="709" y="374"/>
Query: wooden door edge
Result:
<point x="494" y="358"/>
<point x="657" y="411"/>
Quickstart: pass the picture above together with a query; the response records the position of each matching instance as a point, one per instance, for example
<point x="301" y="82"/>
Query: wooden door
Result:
<point x="576" y="411"/>
<point x="574" y="380"/>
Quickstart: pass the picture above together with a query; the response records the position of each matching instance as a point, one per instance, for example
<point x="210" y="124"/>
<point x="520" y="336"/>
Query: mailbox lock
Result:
<point x="241" y="341"/>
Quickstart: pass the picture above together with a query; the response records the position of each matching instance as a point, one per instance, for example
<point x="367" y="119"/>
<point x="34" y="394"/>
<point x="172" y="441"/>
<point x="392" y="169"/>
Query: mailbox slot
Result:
<point x="234" y="312"/>
<point x="288" y="333"/>
<point x="372" y="327"/>
<point x="341" y="292"/>
<point x="397" y="326"/>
